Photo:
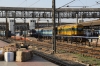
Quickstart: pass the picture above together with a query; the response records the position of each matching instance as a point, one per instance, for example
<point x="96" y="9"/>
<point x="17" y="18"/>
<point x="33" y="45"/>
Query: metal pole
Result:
<point x="54" y="32"/>
<point x="25" y="28"/>
<point x="48" y="23"/>
<point x="82" y="17"/>
<point x="77" y="17"/>
<point x="14" y="25"/>
<point x="6" y="25"/>
<point x="38" y="28"/>
<point x="58" y="19"/>
<point x="3" y="32"/>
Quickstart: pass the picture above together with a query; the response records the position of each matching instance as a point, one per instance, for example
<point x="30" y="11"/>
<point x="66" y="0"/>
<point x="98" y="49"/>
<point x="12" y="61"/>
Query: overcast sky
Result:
<point x="48" y="3"/>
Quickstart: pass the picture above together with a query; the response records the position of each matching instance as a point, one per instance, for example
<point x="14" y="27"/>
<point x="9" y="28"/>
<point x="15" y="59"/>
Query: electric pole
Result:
<point x="25" y="27"/>
<point x="6" y="25"/>
<point x="77" y="18"/>
<point x="54" y="30"/>
<point x="38" y="27"/>
<point x="14" y="25"/>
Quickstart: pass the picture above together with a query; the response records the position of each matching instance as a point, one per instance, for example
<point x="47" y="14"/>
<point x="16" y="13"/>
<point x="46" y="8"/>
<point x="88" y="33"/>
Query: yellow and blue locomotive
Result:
<point x="70" y="30"/>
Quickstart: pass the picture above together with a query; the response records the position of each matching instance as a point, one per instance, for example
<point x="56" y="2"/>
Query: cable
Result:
<point x="34" y="3"/>
<point x="22" y="2"/>
<point x="97" y="3"/>
<point x="26" y="3"/>
<point x="86" y="2"/>
<point x="66" y="4"/>
<point x="81" y="2"/>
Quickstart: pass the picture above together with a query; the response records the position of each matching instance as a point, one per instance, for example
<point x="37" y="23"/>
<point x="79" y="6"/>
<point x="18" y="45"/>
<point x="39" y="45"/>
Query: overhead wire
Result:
<point x="66" y="4"/>
<point x="86" y="2"/>
<point x="26" y="3"/>
<point x="81" y="2"/>
<point x="34" y="3"/>
<point x="97" y="3"/>
<point x="85" y="6"/>
<point x="22" y="2"/>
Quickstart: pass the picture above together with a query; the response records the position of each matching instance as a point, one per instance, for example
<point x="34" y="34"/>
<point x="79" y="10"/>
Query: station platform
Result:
<point x="36" y="61"/>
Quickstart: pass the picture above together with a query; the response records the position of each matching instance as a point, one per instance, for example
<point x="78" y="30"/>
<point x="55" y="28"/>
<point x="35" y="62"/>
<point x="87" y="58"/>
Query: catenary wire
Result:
<point x="22" y="2"/>
<point x="34" y="3"/>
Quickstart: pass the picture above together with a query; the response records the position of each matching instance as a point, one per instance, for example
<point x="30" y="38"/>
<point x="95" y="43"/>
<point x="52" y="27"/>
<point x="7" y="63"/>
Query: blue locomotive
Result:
<point x="42" y="32"/>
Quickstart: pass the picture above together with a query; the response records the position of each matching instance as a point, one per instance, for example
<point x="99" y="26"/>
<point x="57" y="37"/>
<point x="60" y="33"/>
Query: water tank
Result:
<point x="9" y="56"/>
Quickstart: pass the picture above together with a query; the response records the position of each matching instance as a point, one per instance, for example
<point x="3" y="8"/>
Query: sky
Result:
<point x="48" y="3"/>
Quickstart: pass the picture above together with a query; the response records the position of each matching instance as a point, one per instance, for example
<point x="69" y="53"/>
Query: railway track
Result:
<point x="52" y="58"/>
<point x="71" y="48"/>
<point x="83" y="50"/>
<point x="56" y="60"/>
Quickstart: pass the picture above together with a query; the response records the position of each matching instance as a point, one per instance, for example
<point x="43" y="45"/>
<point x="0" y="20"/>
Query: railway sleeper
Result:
<point x="86" y="54"/>
<point x="70" y="51"/>
<point x="97" y="56"/>
<point x="96" y="53"/>
<point x="82" y="51"/>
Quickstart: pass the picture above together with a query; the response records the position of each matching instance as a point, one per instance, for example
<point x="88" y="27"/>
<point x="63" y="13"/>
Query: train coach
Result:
<point x="47" y="32"/>
<point x="63" y="30"/>
<point x="44" y="32"/>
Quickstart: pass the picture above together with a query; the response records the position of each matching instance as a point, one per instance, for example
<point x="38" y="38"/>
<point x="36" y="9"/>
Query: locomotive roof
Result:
<point x="47" y="28"/>
<point x="70" y="24"/>
<point x="93" y="22"/>
<point x="44" y="28"/>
